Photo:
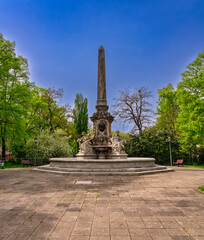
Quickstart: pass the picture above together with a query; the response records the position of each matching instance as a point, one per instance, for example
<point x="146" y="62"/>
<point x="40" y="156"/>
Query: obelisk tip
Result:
<point x="101" y="47"/>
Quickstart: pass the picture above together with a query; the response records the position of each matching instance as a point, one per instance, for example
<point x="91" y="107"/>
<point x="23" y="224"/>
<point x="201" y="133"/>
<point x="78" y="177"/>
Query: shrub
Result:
<point x="49" y="145"/>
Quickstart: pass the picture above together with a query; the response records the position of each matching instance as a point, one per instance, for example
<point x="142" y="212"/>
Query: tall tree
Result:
<point x="167" y="109"/>
<point x="34" y="121"/>
<point x="152" y="142"/>
<point x="15" y="91"/>
<point x="80" y="114"/>
<point x="190" y="95"/>
<point x="56" y="116"/>
<point x="133" y="107"/>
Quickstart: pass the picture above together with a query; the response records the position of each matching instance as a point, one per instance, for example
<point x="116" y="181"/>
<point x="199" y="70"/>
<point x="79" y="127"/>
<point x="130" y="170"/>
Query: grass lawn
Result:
<point x="201" y="188"/>
<point x="11" y="165"/>
<point x="196" y="165"/>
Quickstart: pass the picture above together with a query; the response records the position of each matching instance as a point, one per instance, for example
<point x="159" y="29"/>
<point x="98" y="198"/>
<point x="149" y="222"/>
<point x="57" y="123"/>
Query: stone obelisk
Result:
<point x="102" y="119"/>
<point x="101" y="93"/>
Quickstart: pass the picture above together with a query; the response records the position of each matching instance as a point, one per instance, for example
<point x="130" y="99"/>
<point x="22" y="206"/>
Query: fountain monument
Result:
<point x="102" y="153"/>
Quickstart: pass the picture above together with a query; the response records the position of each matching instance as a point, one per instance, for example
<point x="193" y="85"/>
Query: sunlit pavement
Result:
<point x="42" y="206"/>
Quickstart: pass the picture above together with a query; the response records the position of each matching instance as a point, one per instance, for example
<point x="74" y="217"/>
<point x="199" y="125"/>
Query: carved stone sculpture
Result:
<point x="117" y="143"/>
<point x="85" y="144"/>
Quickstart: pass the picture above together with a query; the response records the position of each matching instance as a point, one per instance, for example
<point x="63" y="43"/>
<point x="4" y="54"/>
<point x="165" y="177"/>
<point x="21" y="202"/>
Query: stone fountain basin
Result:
<point x="102" y="163"/>
<point x="102" y="148"/>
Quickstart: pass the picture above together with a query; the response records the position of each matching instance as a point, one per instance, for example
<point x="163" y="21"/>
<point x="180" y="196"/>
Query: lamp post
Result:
<point x="197" y="152"/>
<point x="169" y="139"/>
<point x="35" y="140"/>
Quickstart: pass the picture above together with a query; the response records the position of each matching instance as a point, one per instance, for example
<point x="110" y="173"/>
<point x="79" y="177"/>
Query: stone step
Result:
<point x="157" y="167"/>
<point x="100" y="173"/>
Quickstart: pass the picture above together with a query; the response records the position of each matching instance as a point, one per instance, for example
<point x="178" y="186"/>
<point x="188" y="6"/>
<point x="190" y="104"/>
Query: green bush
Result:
<point x="201" y="188"/>
<point x="152" y="142"/>
<point x="49" y="145"/>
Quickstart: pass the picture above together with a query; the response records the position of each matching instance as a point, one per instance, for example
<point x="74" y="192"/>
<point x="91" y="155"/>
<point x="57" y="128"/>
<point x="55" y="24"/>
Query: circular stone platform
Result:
<point x="129" y="166"/>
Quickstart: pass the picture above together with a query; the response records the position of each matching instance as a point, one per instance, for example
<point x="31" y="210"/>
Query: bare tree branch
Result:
<point x="133" y="107"/>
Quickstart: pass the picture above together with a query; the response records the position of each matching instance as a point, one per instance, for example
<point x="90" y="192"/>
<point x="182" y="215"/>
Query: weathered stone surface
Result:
<point x="101" y="93"/>
<point x="102" y="144"/>
<point x="102" y="163"/>
<point x="54" y="207"/>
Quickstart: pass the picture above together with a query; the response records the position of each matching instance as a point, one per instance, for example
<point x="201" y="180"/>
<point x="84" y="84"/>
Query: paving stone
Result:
<point x="139" y="232"/>
<point x="136" y="225"/>
<point x="183" y="238"/>
<point x="135" y="237"/>
<point x="159" y="234"/>
<point x="102" y="231"/>
<point x="79" y="237"/>
<point x="81" y="231"/>
<point x="100" y="238"/>
<point x="195" y="231"/>
<point x="58" y="237"/>
<point x="119" y="232"/>
<point x="155" y="224"/>
<point x="120" y="238"/>
<point x="153" y="207"/>
<point x="177" y="232"/>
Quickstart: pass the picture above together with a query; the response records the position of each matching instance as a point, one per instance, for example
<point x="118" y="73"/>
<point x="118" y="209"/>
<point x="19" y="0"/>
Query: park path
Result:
<point x="39" y="206"/>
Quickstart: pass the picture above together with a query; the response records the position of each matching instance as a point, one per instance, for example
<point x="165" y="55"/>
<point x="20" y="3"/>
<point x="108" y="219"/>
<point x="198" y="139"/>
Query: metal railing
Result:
<point x="32" y="161"/>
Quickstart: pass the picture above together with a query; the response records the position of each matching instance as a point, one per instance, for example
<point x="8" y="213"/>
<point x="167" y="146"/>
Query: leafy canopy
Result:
<point x="190" y="95"/>
<point x="80" y="114"/>
<point x="15" y="94"/>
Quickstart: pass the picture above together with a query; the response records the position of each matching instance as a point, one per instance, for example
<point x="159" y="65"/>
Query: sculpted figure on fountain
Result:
<point x="118" y="143"/>
<point x="85" y="144"/>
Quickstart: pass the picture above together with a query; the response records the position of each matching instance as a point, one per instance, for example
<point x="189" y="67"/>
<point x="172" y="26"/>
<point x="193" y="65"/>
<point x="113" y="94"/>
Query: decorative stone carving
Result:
<point x="117" y="144"/>
<point x="102" y="144"/>
<point x="85" y="144"/>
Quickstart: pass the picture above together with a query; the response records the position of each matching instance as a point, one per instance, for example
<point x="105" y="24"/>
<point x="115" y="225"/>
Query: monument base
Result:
<point x="82" y="156"/>
<point x="129" y="166"/>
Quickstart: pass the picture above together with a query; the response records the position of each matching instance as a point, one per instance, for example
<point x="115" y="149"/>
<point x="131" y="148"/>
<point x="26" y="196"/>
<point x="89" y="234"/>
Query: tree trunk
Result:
<point x="3" y="148"/>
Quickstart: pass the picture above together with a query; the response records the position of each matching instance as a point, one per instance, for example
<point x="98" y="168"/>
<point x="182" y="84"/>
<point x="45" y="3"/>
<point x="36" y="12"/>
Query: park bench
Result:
<point x="26" y="162"/>
<point x="179" y="162"/>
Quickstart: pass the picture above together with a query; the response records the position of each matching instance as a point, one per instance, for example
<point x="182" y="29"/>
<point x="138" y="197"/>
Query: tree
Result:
<point x="181" y="111"/>
<point x="167" y="109"/>
<point x="134" y="108"/>
<point x="55" y="116"/>
<point x="190" y="95"/>
<point x="49" y="145"/>
<point x="80" y="114"/>
<point x="152" y="142"/>
<point x="15" y="92"/>
<point x="35" y="121"/>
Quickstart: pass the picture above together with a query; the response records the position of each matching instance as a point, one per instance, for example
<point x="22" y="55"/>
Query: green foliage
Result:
<point x="152" y="142"/>
<point x="181" y="111"/>
<point x="12" y="165"/>
<point x="80" y="114"/>
<point x="124" y="135"/>
<point x="25" y="109"/>
<point x="54" y="116"/>
<point x="15" y="94"/>
<point x="167" y="109"/>
<point x="193" y="164"/>
<point x="201" y="188"/>
<point x="49" y="145"/>
<point x="190" y="95"/>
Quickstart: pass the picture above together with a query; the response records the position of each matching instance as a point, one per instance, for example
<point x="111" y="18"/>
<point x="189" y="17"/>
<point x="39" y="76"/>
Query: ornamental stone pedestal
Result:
<point x="102" y="144"/>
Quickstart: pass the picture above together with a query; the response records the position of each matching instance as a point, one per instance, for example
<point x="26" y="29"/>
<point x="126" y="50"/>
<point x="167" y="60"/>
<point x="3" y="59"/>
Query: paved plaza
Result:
<point x="39" y="206"/>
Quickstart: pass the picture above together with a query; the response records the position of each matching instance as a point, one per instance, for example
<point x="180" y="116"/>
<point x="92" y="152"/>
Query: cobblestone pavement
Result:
<point x="38" y="206"/>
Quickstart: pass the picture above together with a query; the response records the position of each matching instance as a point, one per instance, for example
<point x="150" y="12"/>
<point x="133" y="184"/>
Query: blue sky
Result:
<point x="147" y="42"/>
